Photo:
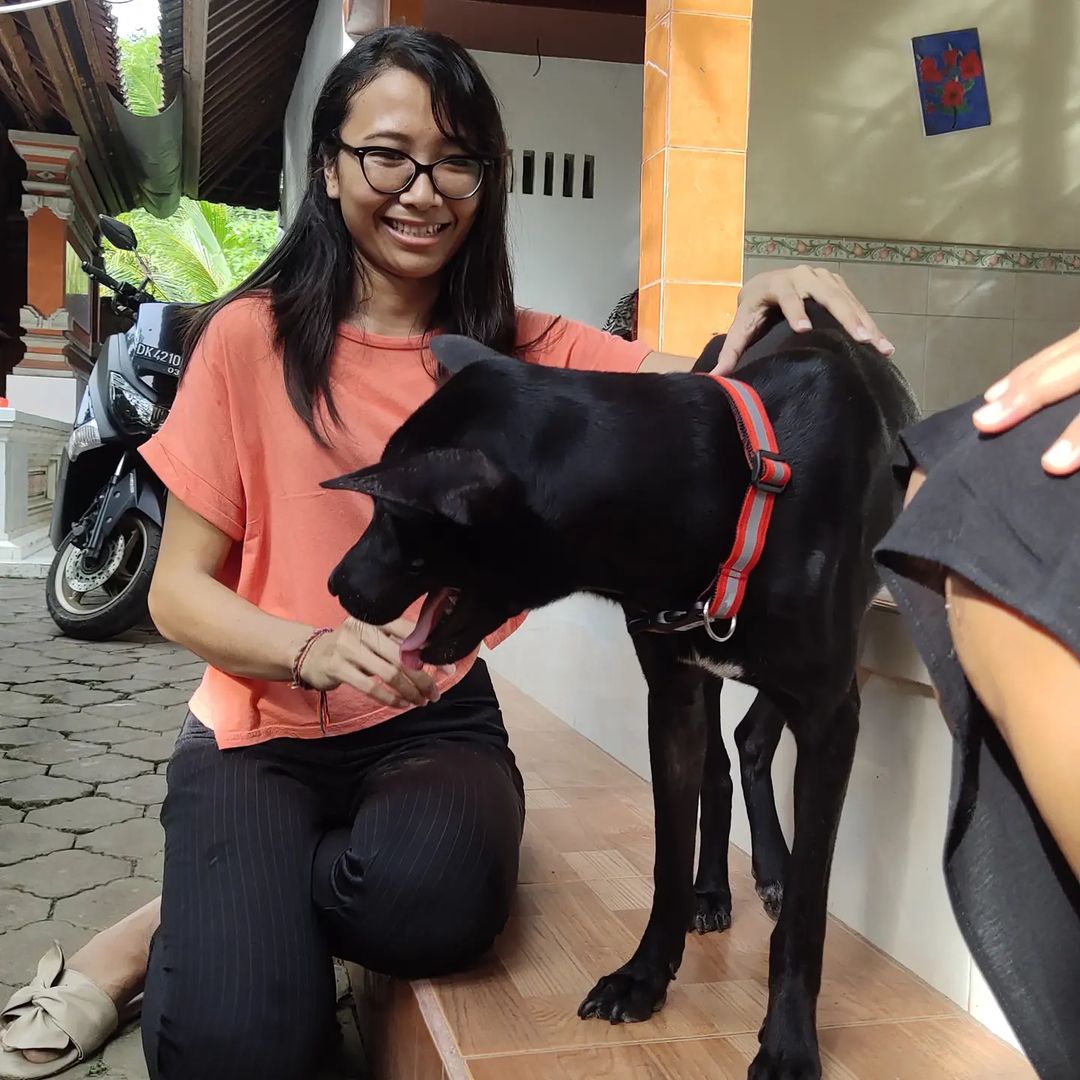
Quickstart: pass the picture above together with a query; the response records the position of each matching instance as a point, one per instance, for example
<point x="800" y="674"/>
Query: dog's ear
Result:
<point x="456" y="353"/>
<point x="455" y="484"/>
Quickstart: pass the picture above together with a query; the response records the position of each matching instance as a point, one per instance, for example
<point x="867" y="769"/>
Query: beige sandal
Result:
<point x="59" y="1010"/>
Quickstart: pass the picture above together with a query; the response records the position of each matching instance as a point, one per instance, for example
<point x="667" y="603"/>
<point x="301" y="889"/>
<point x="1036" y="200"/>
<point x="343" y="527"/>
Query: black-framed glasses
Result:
<point x="393" y="172"/>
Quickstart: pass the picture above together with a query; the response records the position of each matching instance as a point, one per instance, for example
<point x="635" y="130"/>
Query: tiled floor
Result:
<point x="85" y="731"/>
<point x="582" y="903"/>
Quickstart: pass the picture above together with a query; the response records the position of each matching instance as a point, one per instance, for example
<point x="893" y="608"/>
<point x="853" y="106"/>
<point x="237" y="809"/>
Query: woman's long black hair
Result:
<point x="310" y="274"/>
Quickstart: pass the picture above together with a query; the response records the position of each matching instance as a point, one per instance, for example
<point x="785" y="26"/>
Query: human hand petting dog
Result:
<point x="1048" y="377"/>
<point x="787" y="289"/>
<point x="368" y="658"/>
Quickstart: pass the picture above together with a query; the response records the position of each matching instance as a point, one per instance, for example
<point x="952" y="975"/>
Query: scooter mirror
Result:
<point x="117" y="233"/>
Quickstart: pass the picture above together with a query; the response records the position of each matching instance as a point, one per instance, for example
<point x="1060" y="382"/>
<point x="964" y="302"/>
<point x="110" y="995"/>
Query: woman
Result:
<point x="985" y="564"/>
<point x="384" y="830"/>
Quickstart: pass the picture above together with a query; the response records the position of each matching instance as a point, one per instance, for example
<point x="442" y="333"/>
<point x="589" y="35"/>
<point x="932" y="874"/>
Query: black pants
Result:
<point x="395" y="847"/>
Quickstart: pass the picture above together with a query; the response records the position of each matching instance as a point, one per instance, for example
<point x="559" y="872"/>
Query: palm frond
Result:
<point x="141" y="75"/>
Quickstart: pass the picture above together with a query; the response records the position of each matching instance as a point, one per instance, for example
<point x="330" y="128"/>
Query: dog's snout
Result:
<point x="336" y="582"/>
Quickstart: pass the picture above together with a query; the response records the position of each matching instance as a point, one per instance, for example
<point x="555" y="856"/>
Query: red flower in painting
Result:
<point x="928" y="70"/>
<point x="950" y="57"/>
<point x="952" y="94"/>
<point x="970" y="65"/>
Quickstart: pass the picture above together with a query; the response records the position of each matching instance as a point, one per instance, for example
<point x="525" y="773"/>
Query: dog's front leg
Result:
<point x="676" y="749"/>
<point x="712" y="886"/>
<point x="826" y="749"/>
<point x="757" y="737"/>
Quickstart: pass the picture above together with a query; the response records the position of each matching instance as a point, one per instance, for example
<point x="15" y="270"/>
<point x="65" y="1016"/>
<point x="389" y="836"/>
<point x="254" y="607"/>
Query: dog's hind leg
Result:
<point x="711" y="886"/>
<point x="676" y="749"/>
<point x="757" y="737"/>
<point x="826" y="749"/>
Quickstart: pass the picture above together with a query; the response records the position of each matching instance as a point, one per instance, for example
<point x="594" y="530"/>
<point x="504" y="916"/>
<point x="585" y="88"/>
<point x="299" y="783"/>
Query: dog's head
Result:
<point x="449" y="523"/>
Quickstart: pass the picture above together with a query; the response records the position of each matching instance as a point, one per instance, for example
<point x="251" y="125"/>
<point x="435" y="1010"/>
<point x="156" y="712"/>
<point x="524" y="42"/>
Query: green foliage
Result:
<point x="249" y="236"/>
<point x="183" y="254"/>
<point x="204" y="249"/>
<point x="140" y="74"/>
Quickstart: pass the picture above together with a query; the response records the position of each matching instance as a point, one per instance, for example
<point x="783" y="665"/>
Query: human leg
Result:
<point x="240" y="981"/>
<point x="1030" y="685"/>
<point x="421" y="883"/>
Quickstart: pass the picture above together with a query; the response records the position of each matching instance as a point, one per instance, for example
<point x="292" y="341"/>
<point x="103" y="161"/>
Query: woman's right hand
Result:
<point x="368" y="658"/>
<point x="1049" y="376"/>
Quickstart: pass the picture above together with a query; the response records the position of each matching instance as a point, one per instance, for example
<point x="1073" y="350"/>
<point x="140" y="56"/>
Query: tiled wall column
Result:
<point x="693" y="180"/>
<point x="60" y="205"/>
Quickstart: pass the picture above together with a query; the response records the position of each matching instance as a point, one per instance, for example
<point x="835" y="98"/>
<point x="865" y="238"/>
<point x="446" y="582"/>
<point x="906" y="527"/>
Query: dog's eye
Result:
<point x="416" y="565"/>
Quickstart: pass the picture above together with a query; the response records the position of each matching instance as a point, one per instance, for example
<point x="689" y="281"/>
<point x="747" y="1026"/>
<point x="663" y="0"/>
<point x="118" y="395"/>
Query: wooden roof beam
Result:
<point x="239" y="71"/>
<point x="254" y="23"/>
<point x="45" y="34"/>
<point x="78" y="46"/>
<point x="33" y="98"/>
<point x="9" y="90"/>
<point x="196" y="24"/>
<point x="88" y="35"/>
<point x="227" y="157"/>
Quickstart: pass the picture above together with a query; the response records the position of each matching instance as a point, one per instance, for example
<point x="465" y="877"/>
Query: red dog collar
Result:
<point x="769" y="476"/>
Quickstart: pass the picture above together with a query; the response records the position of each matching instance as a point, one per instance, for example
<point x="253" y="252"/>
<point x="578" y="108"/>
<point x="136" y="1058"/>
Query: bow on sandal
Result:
<point x="59" y="1010"/>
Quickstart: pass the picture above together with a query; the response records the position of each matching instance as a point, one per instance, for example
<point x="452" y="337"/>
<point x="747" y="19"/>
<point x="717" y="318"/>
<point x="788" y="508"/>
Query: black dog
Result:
<point x="517" y="485"/>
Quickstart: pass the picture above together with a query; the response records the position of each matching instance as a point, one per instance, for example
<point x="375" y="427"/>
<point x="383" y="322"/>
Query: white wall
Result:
<point x="956" y="330"/>
<point x="53" y="396"/>
<point x="836" y="143"/>
<point x="30" y="449"/>
<point x="327" y="43"/>
<point x="573" y="256"/>
<point x="575" y="658"/>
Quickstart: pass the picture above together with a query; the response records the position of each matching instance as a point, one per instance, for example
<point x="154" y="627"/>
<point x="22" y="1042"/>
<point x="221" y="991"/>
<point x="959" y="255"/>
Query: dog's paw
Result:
<point x="789" y="1045"/>
<point x="773" y="1064"/>
<point x="712" y="914"/>
<point x="772" y="897"/>
<point x="627" y="996"/>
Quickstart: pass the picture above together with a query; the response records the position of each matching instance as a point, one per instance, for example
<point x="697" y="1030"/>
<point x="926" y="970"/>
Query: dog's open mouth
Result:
<point x="437" y="607"/>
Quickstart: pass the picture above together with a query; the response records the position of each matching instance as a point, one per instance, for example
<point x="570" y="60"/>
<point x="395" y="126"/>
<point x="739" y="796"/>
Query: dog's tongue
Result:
<point x="434" y="605"/>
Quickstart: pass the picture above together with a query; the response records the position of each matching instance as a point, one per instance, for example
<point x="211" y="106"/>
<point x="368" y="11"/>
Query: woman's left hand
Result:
<point x="787" y="289"/>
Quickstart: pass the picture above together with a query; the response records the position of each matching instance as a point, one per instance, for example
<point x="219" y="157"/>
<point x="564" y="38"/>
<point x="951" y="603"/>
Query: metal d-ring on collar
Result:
<point x="707" y="624"/>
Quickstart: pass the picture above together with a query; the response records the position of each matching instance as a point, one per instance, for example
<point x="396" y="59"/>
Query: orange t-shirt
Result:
<point x="234" y="451"/>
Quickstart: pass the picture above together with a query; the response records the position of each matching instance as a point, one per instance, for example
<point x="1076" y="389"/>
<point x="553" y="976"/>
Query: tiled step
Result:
<point x="582" y="903"/>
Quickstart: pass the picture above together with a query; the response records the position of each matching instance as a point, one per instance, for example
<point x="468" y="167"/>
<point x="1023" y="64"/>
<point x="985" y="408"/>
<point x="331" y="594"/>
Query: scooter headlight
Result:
<point x="85" y="434"/>
<point x="134" y="412"/>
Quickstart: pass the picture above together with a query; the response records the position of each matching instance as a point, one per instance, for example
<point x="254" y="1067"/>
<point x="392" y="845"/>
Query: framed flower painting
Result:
<point x="952" y="82"/>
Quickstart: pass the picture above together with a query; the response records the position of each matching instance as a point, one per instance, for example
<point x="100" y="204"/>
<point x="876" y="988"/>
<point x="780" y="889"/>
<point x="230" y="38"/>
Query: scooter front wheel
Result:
<point x="97" y="600"/>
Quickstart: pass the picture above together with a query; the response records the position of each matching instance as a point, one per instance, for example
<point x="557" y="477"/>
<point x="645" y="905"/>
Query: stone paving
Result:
<point x="85" y="733"/>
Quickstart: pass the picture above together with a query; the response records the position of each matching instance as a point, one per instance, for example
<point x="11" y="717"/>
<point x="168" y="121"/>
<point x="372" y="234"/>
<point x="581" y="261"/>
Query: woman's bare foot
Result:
<point x="115" y="959"/>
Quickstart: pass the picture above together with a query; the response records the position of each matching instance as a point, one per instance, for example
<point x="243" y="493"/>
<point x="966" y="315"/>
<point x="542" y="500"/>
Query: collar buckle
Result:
<point x="768" y="471"/>
<point x="669" y="621"/>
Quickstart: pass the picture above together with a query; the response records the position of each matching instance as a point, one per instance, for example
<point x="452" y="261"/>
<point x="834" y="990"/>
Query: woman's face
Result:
<point x="414" y="234"/>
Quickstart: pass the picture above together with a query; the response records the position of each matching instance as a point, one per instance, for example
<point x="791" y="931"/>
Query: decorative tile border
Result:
<point x="901" y="252"/>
